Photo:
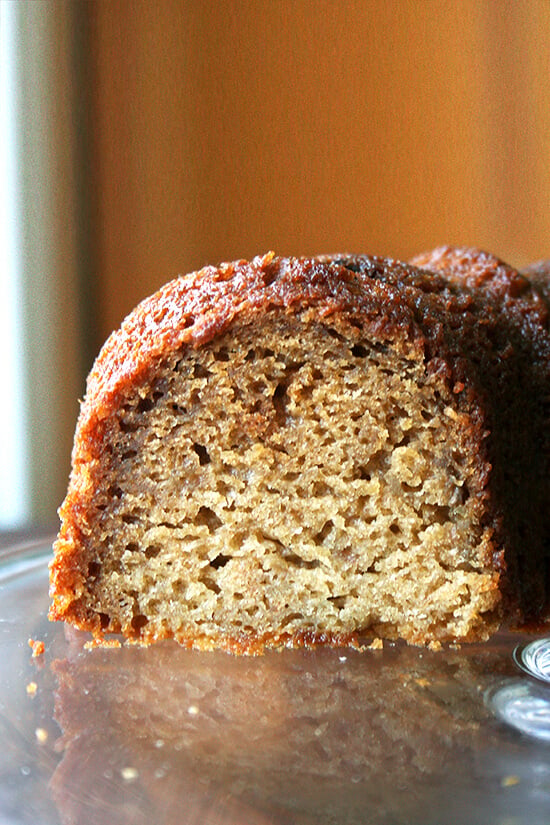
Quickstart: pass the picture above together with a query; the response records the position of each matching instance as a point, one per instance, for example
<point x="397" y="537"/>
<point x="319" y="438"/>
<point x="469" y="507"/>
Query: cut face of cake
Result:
<point x="290" y="452"/>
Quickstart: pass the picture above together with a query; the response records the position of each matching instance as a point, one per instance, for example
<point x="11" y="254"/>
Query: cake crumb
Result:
<point x="423" y="682"/>
<point x="435" y="645"/>
<point x="103" y="643"/>
<point x="129" y="774"/>
<point x="509" y="781"/>
<point x="376" y="644"/>
<point x="38" y="647"/>
<point x="41" y="735"/>
<point x="32" y="687"/>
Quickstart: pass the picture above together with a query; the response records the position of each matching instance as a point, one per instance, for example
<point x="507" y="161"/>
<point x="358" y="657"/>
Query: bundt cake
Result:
<point x="290" y="452"/>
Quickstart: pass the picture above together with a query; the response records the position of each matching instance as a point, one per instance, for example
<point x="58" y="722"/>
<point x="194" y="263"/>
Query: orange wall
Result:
<point x="220" y="130"/>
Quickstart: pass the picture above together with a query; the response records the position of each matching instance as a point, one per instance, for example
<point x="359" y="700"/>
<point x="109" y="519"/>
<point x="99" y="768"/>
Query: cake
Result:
<point x="289" y="452"/>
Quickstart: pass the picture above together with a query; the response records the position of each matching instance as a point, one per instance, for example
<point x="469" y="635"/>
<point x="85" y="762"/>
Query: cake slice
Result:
<point x="307" y="451"/>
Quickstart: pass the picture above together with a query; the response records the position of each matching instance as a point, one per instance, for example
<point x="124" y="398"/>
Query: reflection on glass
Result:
<point x="167" y="735"/>
<point x="524" y="705"/>
<point x="534" y="658"/>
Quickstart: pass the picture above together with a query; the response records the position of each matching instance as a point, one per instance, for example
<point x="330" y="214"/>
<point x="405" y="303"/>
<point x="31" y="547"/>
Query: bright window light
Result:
<point x="13" y="443"/>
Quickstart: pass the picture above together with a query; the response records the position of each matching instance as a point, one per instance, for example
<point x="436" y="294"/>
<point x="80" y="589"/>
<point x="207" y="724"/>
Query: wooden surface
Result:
<point x="221" y="130"/>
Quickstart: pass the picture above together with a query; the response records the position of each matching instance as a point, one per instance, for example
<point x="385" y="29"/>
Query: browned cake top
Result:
<point x="390" y="296"/>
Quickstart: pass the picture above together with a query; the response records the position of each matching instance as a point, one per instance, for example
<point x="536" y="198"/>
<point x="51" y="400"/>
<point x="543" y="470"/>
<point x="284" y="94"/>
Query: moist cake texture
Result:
<point x="307" y="451"/>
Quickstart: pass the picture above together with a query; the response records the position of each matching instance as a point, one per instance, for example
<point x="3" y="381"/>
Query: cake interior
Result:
<point x="285" y="480"/>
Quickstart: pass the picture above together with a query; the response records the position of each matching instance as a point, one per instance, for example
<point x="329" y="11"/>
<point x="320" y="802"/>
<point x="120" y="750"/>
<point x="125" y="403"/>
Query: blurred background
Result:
<point x="144" y="138"/>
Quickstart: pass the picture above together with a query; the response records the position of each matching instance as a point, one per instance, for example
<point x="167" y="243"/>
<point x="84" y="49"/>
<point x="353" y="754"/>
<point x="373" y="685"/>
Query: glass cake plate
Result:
<point x="164" y="735"/>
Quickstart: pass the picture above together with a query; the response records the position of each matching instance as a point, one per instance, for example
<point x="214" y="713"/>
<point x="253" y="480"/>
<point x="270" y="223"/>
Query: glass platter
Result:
<point x="163" y="735"/>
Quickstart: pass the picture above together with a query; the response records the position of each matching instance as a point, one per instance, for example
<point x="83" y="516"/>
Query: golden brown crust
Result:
<point x="474" y="269"/>
<point x="511" y="311"/>
<point x="539" y="276"/>
<point x="477" y="323"/>
<point x="193" y="309"/>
